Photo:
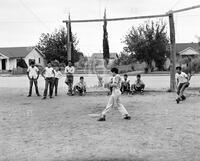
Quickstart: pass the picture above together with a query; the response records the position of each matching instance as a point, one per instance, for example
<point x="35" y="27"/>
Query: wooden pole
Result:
<point x="69" y="51"/>
<point x="172" y="52"/>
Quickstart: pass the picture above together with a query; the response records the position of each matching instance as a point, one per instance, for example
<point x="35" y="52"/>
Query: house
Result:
<point x="184" y="50"/>
<point x="10" y="56"/>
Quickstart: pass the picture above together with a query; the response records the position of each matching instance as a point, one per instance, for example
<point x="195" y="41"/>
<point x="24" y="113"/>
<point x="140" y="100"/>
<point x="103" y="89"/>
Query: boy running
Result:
<point x="48" y="74"/>
<point x="33" y="75"/>
<point x="114" y="98"/>
<point x="182" y="82"/>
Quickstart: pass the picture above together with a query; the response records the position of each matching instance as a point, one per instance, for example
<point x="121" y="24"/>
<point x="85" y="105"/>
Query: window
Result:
<point x="39" y="60"/>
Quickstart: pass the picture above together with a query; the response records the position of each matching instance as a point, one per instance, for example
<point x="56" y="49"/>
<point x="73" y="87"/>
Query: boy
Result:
<point x="33" y="75"/>
<point x="138" y="86"/>
<point x="114" y="98"/>
<point x="182" y="82"/>
<point x="125" y="87"/>
<point x="58" y="75"/>
<point x="49" y="75"/>
<point x="69" y="71"/>
<point x="80" y="87"/>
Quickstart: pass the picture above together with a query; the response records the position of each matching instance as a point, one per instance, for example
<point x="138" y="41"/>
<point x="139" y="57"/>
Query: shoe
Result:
<point x="29" y="95"/>
<point x="177" y="100"/>
<point x="38" y="95"/>
<point x="127" y="117"/>
<point x="183" y="97"/>
<point x="44" y="98"/>
<point x="102" y="118"/>
<point x="51" y="97"/>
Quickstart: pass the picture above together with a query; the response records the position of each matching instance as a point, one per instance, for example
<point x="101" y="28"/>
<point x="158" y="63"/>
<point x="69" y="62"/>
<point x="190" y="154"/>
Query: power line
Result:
<point x="31" y="11"/>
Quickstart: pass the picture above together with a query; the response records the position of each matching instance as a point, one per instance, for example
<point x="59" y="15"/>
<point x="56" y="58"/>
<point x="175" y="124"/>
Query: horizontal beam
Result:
<point x="185" y="9"/>
<point x="116" y="19"/>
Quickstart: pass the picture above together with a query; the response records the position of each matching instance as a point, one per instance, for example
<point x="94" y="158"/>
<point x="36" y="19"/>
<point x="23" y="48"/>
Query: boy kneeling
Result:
<point x="80" y="87"/>
<point x="138" y="86"/>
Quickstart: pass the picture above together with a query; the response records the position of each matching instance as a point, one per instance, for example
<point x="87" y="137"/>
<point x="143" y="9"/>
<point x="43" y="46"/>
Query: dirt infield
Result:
<point x="61" y="128"/>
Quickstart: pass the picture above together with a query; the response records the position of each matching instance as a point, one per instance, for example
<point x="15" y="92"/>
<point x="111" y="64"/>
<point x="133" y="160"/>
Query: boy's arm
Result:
<point x="28" y="73"/>
<point x="53" y="73"/>
<point x="43" y="73"/>
<point x="38" y="73"/>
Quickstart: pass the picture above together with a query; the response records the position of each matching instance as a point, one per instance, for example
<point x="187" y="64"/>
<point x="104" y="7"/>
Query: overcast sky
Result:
<point x="23" y="21"/>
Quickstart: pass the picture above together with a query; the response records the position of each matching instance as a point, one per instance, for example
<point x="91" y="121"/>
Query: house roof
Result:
<point x="182" y="46"/>
<point x="189" y="51"/>
<point x="100" y="55"/>
<point x="18" y="52"/>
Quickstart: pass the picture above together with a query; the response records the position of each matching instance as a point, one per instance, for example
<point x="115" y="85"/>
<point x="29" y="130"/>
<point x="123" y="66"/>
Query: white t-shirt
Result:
<point x="33" y="72"/>
<point x="181" y="78"/>
<point x="58" y="74"/>
<point x="49" y="72"/>
<point x="69" y="70"/>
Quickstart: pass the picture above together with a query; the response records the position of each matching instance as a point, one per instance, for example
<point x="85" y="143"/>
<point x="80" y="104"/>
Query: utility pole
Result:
<point x="172" y="53"/>
<point x="69" y="43"/>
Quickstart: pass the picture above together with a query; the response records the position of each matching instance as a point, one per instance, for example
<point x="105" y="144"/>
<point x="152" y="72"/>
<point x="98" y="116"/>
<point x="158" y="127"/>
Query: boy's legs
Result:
<point x="121" y="107"/>
<point x="36" y="87"/>
<point x="109" y="105"/>
<point x="51" y="82"/>
<point x="56" y="86"/>
<point x="30" y="88"/>
<point x="46" y="87"/>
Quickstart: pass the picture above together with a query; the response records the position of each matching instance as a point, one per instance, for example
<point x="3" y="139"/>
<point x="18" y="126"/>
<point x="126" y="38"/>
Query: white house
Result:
<point x="11" y="55"/>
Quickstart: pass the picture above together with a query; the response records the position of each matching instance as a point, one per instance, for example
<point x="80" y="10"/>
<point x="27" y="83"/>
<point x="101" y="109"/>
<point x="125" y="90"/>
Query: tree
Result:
<point x="53" y="46"/>
<point x="148" y="43"/>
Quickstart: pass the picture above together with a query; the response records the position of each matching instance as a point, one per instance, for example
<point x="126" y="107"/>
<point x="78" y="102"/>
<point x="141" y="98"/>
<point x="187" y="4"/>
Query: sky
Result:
<point x="23" y="21"/>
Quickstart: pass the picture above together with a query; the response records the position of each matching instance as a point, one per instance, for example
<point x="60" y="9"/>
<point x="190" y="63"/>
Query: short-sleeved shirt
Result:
<point x="69" y="70"/>
<point x="181" y="78"/>
<point x="139" y="83"/>
<point x="58" y="74"/>
<point x="81" y="84"/>
<point x="117" y="79"/>
<point x="49" y="72"/>
<point x="33" y="72"/>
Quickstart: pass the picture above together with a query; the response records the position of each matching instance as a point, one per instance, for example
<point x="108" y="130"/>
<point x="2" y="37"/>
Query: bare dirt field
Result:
<point x="58" y="129"/>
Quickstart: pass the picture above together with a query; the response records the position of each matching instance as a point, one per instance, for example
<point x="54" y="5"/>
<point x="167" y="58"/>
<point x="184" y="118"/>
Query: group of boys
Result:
<point x="52" y="76"/>
<point x="126" y="87"/>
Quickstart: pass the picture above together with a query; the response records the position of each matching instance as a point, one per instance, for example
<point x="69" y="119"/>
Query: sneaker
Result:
<point x="29" y="95"/>
<point x="38" y="95"/>
<point x="177" y="100"/>
<point x="183" y="97"/>
<point x="127" y="117"/>
<point x="51" y="97"/>
<point x="102" y="118"/>
<point x="44" y="98"/>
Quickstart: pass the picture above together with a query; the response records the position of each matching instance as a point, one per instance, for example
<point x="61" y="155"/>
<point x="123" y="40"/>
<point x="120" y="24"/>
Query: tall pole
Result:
<point x="69" y="49"/>
<point x="172" y="52"/>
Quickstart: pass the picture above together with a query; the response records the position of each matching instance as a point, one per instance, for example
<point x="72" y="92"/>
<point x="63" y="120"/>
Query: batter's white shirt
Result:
<point x="33" y="72"/>
<point x="181" y="78"/>
<point x="69" y="70"/>
<point x="49" y="72"/>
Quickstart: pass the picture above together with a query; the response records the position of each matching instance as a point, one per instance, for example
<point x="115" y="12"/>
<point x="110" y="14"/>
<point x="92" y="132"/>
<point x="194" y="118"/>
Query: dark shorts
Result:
<point x="69" y="79"/>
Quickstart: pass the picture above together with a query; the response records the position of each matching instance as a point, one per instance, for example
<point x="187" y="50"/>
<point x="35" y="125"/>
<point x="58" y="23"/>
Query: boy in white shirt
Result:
<point x="69" y="71"/>
<point x="58" y="75"/>
<point x="114" y="98"/>
<point x="182" y="82"/>
<point x="80" y="87"/>
<point x="48" y="74"/>
<point x="33" y="75"/>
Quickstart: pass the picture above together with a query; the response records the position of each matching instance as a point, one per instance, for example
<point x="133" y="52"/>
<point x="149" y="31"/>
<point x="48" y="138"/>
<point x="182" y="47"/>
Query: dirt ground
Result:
<point x="58" y="129"/>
